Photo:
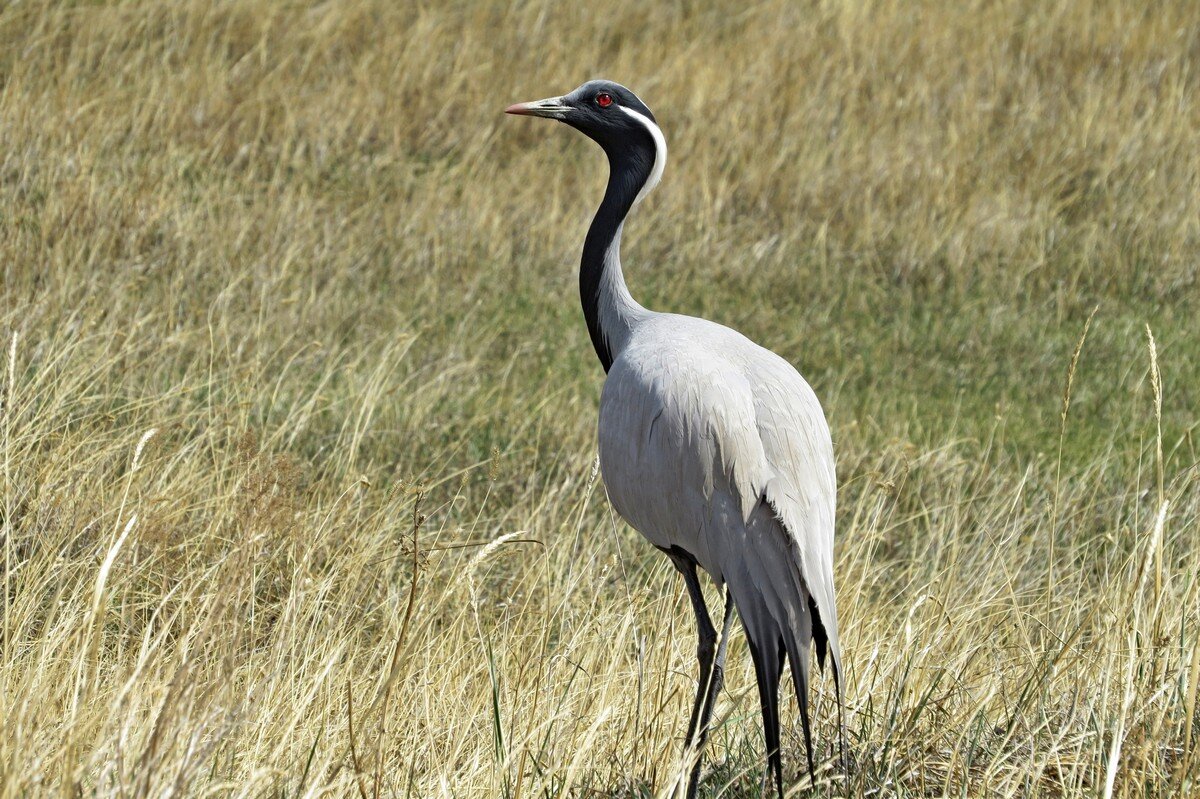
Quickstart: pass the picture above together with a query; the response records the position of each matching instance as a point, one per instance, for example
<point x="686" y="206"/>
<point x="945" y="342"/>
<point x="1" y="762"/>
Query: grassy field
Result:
<point x="298" y="427"/>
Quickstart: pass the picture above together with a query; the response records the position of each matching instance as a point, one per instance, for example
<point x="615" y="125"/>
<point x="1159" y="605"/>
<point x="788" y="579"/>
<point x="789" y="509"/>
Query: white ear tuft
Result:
<point x="660" y="153"/>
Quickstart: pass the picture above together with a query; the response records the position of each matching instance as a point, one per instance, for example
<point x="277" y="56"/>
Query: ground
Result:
<point x="298" y="434"/>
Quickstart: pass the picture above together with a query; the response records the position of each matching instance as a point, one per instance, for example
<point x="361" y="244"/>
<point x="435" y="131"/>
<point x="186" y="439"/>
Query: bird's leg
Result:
<point x="705" y="653"/>
<point x="716" y="680"/>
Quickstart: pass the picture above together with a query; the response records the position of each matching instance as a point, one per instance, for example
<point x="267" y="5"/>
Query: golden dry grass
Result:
<point x="298" y="427"/>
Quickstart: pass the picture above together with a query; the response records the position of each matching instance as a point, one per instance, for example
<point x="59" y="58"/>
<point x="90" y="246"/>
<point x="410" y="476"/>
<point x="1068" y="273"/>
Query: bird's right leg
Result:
<point x="705" y="654"/>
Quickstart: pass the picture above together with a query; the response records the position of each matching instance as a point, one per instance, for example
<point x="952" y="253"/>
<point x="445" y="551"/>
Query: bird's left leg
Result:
<point x="715" y="682"/>
<point x="706" y="651"/>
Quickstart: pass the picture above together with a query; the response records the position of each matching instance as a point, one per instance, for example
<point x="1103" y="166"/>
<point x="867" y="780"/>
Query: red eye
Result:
<point x="604" y="99"/>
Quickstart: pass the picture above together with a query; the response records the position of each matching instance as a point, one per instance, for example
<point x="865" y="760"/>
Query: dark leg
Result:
<point x="715" y="682"/>
<point x="705" y="654"/>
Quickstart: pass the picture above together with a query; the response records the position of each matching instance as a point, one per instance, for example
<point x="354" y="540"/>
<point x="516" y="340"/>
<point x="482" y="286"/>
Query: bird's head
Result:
<point x="606" y="112"/>
<point x="614" y="118"/>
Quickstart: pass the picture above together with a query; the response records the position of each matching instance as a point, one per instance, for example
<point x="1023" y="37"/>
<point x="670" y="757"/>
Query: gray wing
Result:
<point x="802" y="485"/>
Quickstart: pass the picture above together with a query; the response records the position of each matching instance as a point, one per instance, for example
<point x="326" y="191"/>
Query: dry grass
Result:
<point x="290" y="332"/>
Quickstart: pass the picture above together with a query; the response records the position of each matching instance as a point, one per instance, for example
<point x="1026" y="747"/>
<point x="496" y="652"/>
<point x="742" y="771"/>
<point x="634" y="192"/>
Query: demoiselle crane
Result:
<point x="712" y="447"/>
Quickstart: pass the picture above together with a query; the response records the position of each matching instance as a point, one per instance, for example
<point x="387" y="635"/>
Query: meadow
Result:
<point x="299" y="493"/>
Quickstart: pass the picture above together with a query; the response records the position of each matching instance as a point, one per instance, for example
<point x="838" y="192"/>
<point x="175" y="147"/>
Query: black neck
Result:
<point x="630" y="165"/>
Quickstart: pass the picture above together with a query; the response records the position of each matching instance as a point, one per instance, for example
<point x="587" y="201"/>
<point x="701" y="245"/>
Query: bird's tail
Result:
<point x="782" y="622"/>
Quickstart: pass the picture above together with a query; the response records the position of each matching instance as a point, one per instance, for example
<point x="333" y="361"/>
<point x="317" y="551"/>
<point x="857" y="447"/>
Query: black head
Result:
<point x="605" y="111"/>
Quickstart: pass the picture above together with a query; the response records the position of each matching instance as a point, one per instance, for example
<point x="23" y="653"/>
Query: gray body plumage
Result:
<point x="716" y="446"/>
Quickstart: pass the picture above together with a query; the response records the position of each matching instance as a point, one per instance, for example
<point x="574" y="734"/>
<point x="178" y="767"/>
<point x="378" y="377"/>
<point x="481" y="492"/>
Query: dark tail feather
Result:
<point x="793" y="622"/>
<point x="820" y="637"/>
<point x="797" y="643"/>
<point x="841" y="708"/>
<point x="768" y="668"/>
<point x="823" y="644"/>
<point x="782" y="621"/>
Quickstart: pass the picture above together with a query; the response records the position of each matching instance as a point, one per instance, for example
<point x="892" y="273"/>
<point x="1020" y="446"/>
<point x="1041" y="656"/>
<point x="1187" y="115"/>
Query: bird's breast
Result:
<point x="660" y="458"/>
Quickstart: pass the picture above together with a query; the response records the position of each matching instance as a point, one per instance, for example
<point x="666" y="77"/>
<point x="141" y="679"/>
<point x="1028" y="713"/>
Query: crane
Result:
<point x="715" y="449"/>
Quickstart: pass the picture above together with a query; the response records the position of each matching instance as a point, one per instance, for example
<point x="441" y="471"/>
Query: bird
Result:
<point x="712" y="447"/>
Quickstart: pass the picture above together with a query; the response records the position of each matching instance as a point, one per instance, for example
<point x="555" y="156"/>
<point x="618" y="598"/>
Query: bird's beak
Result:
<point x="551" y="108"/>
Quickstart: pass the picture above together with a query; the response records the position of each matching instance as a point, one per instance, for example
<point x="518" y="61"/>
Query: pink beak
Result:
<point x="551" y="108"/>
